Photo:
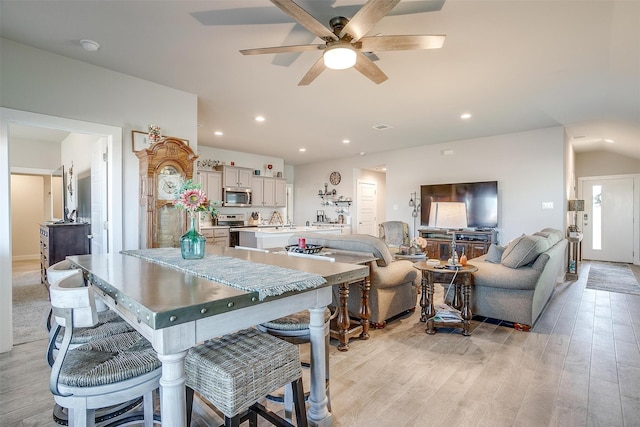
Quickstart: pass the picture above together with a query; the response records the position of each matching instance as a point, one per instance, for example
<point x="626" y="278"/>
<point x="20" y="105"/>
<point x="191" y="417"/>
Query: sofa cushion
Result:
<point x="494" y="254"/>
<point x="524" y="250"/>
<point x="553" y="235"/>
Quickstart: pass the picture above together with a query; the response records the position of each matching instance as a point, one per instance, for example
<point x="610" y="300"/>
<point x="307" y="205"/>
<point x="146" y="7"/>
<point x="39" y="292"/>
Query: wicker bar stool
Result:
<point x="105" y="372"/>
<point x="235" y="371"/>
<point x="295" y="330"/>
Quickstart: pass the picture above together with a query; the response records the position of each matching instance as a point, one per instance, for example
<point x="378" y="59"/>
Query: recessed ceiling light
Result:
<point x="610" y="141"/>
<point x="89" y="45"/>
<point x="465" y="116"/>
<point x="362" y="153"/>
<point x="302" y="150"/>
<point x="345" y="141"/>
<point x="260" y="119"/>
<point x="218" y="133"/>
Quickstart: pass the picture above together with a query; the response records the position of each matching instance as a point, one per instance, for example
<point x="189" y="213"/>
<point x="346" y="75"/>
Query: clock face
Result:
<point x="335" y="178"/>
<point x="169" y="181"/>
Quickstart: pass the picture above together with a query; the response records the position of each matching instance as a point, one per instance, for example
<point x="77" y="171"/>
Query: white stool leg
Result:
<point x="148" y="409"/>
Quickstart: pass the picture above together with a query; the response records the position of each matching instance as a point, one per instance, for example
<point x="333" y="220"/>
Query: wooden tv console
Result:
<point x="474" y="243"/>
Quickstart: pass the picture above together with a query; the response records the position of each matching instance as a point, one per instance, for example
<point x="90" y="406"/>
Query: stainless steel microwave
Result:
<point x="232" y="196"/>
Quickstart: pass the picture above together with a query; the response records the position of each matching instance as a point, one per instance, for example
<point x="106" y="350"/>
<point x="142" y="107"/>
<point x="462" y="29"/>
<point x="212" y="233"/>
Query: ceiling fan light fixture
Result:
<point x="339" y="56"/>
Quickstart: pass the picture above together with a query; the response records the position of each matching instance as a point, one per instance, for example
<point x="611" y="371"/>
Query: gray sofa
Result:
<point x="393" y="283"/>
<point x="514" y="283"/>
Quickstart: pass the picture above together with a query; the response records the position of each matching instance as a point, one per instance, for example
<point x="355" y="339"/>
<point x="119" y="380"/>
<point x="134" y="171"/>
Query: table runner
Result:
<point x="267" y="280"/>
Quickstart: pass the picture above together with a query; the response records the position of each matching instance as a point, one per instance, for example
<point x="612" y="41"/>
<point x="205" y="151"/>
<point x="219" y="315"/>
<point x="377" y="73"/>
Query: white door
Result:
<point x="99" y="200"/>
<point x="607" y="219"/>
<point x="367" y="201"/>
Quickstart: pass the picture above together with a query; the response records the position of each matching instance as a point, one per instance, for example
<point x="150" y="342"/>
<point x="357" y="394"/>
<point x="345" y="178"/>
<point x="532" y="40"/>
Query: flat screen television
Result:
<point x="481" y="199"/>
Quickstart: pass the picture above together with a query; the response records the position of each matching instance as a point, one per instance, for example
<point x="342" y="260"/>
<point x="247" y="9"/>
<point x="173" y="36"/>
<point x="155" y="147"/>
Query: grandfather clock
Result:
<point x="164" y="166"/>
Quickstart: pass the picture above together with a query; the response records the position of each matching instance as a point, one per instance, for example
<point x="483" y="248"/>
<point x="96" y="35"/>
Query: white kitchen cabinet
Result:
<point x="280" y="193"/>
<point x="268" y="192"/>
<point x="211" y="183"/>
<point x="218" y="236"/>
<point x="235" y="177"/>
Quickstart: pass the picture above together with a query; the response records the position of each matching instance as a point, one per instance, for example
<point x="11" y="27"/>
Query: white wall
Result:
<point x="27" y="197"/>
<point x="529" y="167"/>
<point x="40" y="82"/>
<point x="35" y="154"/>
<point x="601" y="163"/>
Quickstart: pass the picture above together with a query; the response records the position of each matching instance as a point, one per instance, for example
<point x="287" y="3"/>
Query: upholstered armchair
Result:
<point x="393" y="282"/>
<point x="394" y="234"/>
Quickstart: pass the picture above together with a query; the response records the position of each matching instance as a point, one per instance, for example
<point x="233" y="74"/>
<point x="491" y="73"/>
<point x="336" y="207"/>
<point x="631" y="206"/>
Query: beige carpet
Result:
<point x="30" y="304"/>
<point x="613" y="277"/>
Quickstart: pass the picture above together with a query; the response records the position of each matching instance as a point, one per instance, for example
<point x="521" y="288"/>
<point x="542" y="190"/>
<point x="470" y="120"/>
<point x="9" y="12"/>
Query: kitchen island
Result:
<point x="271" y="237"/>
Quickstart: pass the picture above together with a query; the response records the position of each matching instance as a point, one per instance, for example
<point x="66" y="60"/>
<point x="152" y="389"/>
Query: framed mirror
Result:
<point x="58" y="192"/>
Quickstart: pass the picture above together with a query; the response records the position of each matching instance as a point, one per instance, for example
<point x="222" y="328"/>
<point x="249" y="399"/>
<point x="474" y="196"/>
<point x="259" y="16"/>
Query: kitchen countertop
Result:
<point x="276" y="230"/>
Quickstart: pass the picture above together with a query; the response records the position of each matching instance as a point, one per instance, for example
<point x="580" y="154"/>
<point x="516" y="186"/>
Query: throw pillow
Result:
<point x="494" y="254"/>
<point x="523" y="250"/>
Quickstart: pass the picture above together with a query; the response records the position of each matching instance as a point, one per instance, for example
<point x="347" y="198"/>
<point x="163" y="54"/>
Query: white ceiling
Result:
<point x="514" y="64"/>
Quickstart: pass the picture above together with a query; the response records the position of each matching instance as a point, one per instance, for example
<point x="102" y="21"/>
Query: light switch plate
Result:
<point x="547" y="205"/>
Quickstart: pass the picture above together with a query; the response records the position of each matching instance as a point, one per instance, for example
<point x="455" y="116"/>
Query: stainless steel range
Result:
<point x="233" y="221"/>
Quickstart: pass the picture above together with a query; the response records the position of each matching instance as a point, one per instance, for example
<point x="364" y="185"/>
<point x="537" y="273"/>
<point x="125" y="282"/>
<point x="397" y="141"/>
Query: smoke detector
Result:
<point x="89" y="45"/>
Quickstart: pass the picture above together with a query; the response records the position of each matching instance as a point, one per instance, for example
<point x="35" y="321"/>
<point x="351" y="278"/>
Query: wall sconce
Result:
<point x="415" y="204"/>
<point x="70" y="184"/>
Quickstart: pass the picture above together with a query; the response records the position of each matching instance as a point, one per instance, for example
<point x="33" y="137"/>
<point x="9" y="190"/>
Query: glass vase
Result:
<point x="192" y="243"/>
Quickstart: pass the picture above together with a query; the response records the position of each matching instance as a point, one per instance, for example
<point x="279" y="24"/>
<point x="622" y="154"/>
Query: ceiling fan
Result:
<point x="345" y="44"/>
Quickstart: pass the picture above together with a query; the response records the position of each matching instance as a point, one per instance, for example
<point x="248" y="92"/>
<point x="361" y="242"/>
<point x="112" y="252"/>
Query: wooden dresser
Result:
<point x="59" y="240"/>
<point x="473" y="243"/>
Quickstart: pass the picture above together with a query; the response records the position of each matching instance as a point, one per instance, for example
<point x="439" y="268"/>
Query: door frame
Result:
<point x="636" y="206"/>
<point x="113" y="135"/>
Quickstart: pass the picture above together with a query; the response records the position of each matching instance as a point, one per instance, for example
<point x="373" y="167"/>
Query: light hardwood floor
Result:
<point x="579" y="366"/>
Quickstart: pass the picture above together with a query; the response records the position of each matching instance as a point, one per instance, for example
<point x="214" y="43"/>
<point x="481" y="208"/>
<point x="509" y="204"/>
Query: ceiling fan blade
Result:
<point x="305" y="19"/>
<point x="368" y="16"/>
<point x="313" y="72"/>
<point x="369" y="69"/>
<point x="283" y="49"/>
<point x="376" y="43"/>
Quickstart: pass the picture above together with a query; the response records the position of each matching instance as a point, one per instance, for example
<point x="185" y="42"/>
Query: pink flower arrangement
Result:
<point x="192" y="199"/>
<point x="419" y="243"/>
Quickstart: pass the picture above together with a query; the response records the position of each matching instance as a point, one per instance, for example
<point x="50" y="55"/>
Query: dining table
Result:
<point x="177" y="304"/>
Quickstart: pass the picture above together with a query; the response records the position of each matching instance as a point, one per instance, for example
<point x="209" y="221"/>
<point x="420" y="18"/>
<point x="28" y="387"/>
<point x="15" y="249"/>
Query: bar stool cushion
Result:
<point x="235" y="371"/>
<point x="108" y="360"/>
<point x="109" y="323"/>
<point x="294" y="322"/>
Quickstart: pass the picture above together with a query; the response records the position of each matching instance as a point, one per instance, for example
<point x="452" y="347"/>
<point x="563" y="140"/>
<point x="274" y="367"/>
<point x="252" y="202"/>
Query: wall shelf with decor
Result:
<point x="474" y="243"/>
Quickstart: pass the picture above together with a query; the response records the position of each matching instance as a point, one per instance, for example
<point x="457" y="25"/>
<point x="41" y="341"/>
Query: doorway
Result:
<point x="608" y="218"/>
<point x="113" y="136"/>
<point x="367" y="212"/>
